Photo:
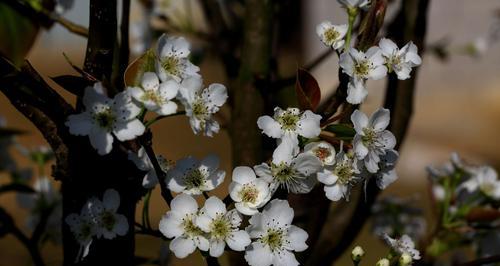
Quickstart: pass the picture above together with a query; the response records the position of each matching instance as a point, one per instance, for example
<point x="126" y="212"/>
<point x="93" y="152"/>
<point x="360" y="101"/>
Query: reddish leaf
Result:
<point x="308" y="92"/>
<point x="483" y="215"/>
<point x="138" y="67"/>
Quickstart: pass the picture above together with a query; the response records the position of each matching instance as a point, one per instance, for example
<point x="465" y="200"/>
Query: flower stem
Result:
<point x="160" y="117"/>
<point x="352" y="12"/>
<point x="205" y="194"/>
<point x="145" y="210"/>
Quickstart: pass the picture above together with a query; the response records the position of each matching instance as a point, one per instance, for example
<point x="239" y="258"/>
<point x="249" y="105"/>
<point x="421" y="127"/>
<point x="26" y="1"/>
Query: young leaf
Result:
<point x="341" y="131"/>
<point x="134" y="72"/>
<point x="308" y="92"/>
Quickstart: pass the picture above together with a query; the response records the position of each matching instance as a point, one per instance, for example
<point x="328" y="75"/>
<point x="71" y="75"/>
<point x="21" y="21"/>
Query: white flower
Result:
<point x="357" y="253"/>
<point x="290" y="123"/>
<point x="193" y="177"/>
<point x="340" y="177"/>
<point x="104" y="117"/>
<point x="400" y="60"/>
<point x="156" y="96"/>
<point x="403" y="245"/>
<point x="372" y="140"/>
<point x="332" y="35"/>
<point x="360" y="67"/>
<point x="109" y="222"/>
<point x="173" y="62"/>
<point x="484" y="179"/>
<point x="295" y="173"/>
<point x="323" y="150"/>
<point x="386" y="174"/>
<point x="222" y="227"/>
<point x="383" y="262"/>
<point x="143" y="163"/>
<point x="276" y="237"/>
<point x="248" y="192"/>
<point x="201" y="104"/>
<point x="83" y="228"/>
<point x="355" y="3"/>
<point x="180" y="224"/>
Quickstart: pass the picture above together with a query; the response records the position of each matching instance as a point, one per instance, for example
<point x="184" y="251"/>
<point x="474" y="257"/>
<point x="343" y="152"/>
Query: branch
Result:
<point x="67" y="24"/>
<point x="482" y="261"/>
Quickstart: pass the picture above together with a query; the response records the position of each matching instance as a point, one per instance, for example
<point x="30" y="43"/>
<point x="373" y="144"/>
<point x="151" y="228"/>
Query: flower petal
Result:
<point x="238" y="240"/>
<point x="269" y="126"/>
<point x="182" y="247"/>
<point x="258" y="255"/>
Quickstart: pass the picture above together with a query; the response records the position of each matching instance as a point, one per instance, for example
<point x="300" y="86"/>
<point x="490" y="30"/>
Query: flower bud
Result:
<point x="357" y="253"/>
<point x="405" y="259"/>
<point x="383" y="262"/>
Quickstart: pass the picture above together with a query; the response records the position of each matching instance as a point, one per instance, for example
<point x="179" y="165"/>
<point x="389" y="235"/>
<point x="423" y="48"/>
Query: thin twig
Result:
<point x="67" y="24"/>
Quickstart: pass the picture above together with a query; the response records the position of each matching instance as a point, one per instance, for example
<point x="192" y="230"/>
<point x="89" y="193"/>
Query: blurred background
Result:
<point x="457" y="104"/>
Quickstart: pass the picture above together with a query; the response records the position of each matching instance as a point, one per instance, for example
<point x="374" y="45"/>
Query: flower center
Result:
<point x="150" y="95"/>
<point x="105" y="119"/>
<point x="190" y="229"/>
<point x="344" y="172"/>
<point x="274" y="239"/>
<point x="249" y="194"/>
<point x="331" y="35"/>
<point x="108" y="220"/>
<point x="194" y="179"/>
<point x="288" y="121"/>
<point x="171" y="64"/>
<point x="85" y="231"/>
<point x="393" y="61"/>
<point x="322" y="153"/>
<point x="370" y="136"/>
<point x="200" y="110"/>
<point x="487" y="188"/>
<point x="220" y="227"/>
<point x="362" y="68"/>
<point x="282" y="172"/>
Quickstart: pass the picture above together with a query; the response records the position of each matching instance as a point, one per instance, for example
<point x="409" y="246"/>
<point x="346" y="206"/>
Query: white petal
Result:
<point x="297" y="237"/>
<point x="202" y="243"/>
<point x="388" y="139"/>
<point x="308" y="125"/>
<point x="307" y="164"/>
<point x="333" y="193"/>
<point x="244" y="209"/>
<point x="204" y="221"/>
<point x="386" y="178"/>
<point x="184" y="204"/>
<point x="182" y="247"/>
<point x="243" y="174"/>
<point x="101" y="140"/>
<point x="121" y="226"/>
<point x="171" y="225"/>
<point x="238" y="240"/>
<point x="346" y="63"/>
<point x="286" y="258"/>
<point x="79" y="124"/>
<point x="269" y="126"/>
<point x="378" y="73"/>
<point x="387" y="46"/>
<point x="136" y="93"/>
<point x="214" y="207"/>
<point x="278" y="212"/>
<point x="111" y="200"/>
<point x="167" y="108"/>
<point x="217" y="248"/>
<point x="210" y="163"/>
<point x="285" y="151"/>
<point x="264" y="171"/>
<point x="95" y="95"/>
<point x="215" y="95"/>
<point x="359" y="121"/>
<point x="380" y="119"/>
<point x="169" y="89"/>
<point x="356" y="92"/>
<point x="150" y="81"/>
<point x="215" y="179"/>
<point x="258" y="255"/>
<point x="327" y="177"/>
<point x="128" y="130"/>
<point x="359" y="148"/>
<point x="374" y="54"/>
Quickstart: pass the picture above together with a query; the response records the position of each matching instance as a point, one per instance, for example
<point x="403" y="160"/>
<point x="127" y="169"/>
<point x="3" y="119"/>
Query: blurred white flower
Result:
<point x="355" y="3"/>
<point x="173" y="62"/>
<point x="222" y="227"/>
<point x="104" y="117"/>
<point x="275" y="237"/>
<point x="403" y="245"/>
<point x="295" y="173"/>
<point x="398" y="60"/>
<point x="193" y="177"/>
<point x="180" y="224"/>
<point x="323" y="150"/>
<point x="155" y="96"/>
<point x="109" y="222"/>
<point x="386" y="174"/>
<point x="383" y="262"/>
<point x="356" y="92"/>
<point x="201" y="104"/>
<point x="484" y="179"/>
<point x="372" y="140"/>
<point x="288" y="124"/>
<point x="332" y="35"/>
<point x="247" y="191"/>
<point x="340" y="177"/>
<point x="83" y="228"/>
<point x="143" y="163"/>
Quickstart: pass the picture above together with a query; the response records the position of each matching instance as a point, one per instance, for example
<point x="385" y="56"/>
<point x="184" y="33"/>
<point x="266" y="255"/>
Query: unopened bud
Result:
<point x="405" y="259"/>
<point x="383" y="262"/>
<point x="357" y="253"/>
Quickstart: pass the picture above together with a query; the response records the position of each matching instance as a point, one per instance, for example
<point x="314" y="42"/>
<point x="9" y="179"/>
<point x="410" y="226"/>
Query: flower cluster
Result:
<point x="98" y="218"/>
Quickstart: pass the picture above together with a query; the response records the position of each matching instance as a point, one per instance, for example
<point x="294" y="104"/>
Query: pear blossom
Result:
<point x="340" y="177"/>
<point x="156" y="96"/>
<point x="275" y="237"/>
<point x="201" y="104"/>
<point x="180" y="224"/>
<point x="484" y="179"/>
<point x="222" y="226"/>
<point x="193" y="177"/>
<point x="372" y="140"/>
<point x="355" y="3"/>
<point x="323" y="150"/>
<point x="386" y="174"/>
<point x="403" y="245"/>
<point x="288" y="124"/>
<point x="109" y="222"/>
<point x="247" y="191"/>
<point x="173" y="62"/>
<point x="332" y="35"/>
<point x="289" y="170"/>
<point x="383" y="262"/>
<point x="83" y="228"/>
<point x="143" y="163"/>
<point x="104" y="117"/>
<point x="361" y="66"/>
<point x="398" y="60"/>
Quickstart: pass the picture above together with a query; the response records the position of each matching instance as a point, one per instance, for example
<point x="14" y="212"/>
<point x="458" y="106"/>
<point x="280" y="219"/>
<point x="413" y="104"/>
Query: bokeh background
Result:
<point x="457" y="107"/>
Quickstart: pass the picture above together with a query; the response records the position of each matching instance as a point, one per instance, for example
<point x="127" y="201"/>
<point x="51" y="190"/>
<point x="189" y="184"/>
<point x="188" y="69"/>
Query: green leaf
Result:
<point x="144" y="63"/>
<point x="342" y="131"/>
<point x="308" y="91"/>
<point x="17" y="32"/>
